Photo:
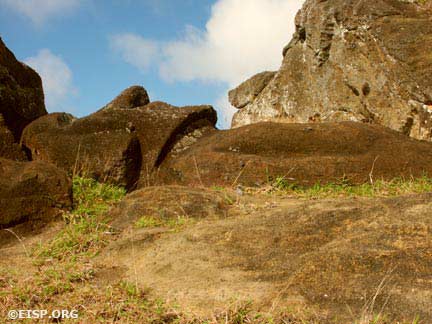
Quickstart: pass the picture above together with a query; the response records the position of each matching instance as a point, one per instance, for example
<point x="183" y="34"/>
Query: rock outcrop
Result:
<point x="302" y="154"/>
<point x="107" y="152"/>
<point x="246" y="93"/>
<point x="32" y="191"/>
<point x="365" y="61"/>
<point x="121" y="142"/>
<point x="21" y="93"/>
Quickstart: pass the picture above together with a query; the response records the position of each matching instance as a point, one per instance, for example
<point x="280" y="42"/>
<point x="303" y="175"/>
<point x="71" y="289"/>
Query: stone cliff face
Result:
<point x="359" y="60"/>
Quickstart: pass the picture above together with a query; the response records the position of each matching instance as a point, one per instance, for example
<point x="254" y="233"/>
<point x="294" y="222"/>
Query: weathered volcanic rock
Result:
<point x="132" y="97"/>
<point x="160" y="128"/>
<point x="367" y="61"/>
<point x="302" y="153"/>
<point x="117" y="144"/>
<point x="246" y="93"/>
<point x="21" y="94"/>
<point x="31" y="191"/>
<point x="86" y="146"/>
<point x="8" y="148"/>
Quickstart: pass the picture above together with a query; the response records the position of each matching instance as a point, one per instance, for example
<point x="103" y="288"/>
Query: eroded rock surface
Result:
<point x="31" y="191"/>
<point x="106" y="152"/>
<point x="118" y="144"/>
<point x="21" y="93"/>
<point x="300" y="153"/>
<point x="365" y="61"/>
<point x="246" y="93"/>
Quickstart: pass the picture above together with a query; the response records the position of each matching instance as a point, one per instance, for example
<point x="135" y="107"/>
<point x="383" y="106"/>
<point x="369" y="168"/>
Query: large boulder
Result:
<point x="160" y="128"/>
<point x="85" y="147"/>
<point x="366" y="61"/>
<point x="302" y="154"/>
<point x="119" y="142"/>
<point x="32" y="191"/>
<point x="21" y="93"/>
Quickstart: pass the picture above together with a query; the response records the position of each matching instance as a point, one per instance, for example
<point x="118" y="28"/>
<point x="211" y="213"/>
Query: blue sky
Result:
<point x="183" y="52"/>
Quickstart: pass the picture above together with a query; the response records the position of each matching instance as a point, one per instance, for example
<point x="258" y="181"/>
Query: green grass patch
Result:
<point x="379" y="188"/>
<point x="87" y="225"/>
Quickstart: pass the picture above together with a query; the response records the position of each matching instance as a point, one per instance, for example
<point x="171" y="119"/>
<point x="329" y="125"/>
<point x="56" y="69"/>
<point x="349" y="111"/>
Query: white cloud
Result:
<point x="135" y="50"/>
<point x="41" y="10"/>
<point x="56" y="78"/>
<point x="241" y="38"/>
<point x="226" y="111"/>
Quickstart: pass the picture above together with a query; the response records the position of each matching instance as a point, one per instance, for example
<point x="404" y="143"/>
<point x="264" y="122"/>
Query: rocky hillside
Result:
<point x="143" y="212"/>
<point x="366" y="61"/>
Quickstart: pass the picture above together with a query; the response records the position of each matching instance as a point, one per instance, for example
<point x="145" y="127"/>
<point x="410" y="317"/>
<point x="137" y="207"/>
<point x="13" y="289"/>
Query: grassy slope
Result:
<point x="62" y="275"/>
